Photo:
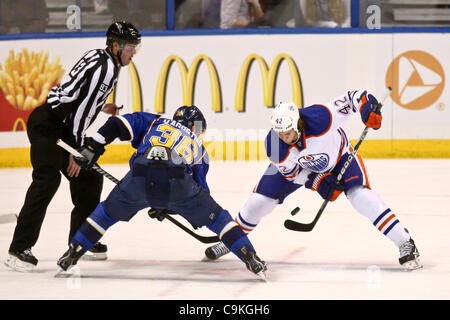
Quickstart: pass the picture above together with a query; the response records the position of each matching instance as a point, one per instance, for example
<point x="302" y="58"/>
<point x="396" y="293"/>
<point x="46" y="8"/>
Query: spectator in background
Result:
<point x="23" y="16"/>
<point x="240" y="14"/>
<point x="322" y="13"/>
<point x="188" y="14"/>
<point x="211" y="13"/>
<point x="278" y="13"/>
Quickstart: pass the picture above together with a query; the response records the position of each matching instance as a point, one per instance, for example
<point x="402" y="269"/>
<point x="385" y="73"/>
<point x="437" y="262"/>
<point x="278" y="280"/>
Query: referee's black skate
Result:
<point x="23" y="261"/>
<point x="97" y="252"/>
<point x="70" y="257"/>
<point x="253" y="262"/>
<point x="409" y="256"/>
<point x="216" y="251"/>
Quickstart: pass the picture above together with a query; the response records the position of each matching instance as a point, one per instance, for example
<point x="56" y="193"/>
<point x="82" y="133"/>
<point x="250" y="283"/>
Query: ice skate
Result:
<point x="97" y="252"/>
<point x="23" y="261"/>
<point x="253" y="262"/>
<point x="216" y="251"/>
<point x="409" y="256"/>
<point x="70" y="258"/>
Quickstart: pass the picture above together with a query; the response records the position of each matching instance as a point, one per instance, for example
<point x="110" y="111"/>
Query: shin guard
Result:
<point x="93" y="228"/>
<point x="229" y="232"/>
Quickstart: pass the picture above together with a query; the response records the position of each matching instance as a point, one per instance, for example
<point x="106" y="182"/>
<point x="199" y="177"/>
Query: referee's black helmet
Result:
<point x="122" y="32"/>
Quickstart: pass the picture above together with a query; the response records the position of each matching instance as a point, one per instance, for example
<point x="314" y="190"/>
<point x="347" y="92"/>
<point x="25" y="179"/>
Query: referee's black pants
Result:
<point x="49" y="161"/>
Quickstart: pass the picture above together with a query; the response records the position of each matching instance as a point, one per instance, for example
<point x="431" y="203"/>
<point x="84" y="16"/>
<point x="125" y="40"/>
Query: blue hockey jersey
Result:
<point x="145" y="130"/>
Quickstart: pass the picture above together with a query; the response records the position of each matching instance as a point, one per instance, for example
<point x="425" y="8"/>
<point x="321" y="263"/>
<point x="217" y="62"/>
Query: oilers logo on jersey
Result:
<point x="315" y="162"/>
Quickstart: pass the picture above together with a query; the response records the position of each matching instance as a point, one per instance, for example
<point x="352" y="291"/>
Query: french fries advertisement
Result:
<point x="25" y="81"/>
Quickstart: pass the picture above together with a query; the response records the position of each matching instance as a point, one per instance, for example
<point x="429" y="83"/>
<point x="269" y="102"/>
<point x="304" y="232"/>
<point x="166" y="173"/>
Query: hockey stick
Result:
<point x="200" y="238"/>
<point x="97" y="168"/>
<point x="306" y="227"/>
<point x="75" y="153"/>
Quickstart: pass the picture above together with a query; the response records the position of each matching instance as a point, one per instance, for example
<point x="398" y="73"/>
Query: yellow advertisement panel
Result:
<point x="244" y="78"/>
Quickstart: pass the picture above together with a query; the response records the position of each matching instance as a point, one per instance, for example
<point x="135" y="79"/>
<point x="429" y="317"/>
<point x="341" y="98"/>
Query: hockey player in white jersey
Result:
<point x="308" y="147"/>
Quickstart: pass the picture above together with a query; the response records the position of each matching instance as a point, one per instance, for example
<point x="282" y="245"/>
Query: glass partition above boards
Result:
<point x="40" y="16"/>
<point x="227" y="14"/>
<point x="371" y="14"/>
<point x="35" y="16"/>
<point x="406" y="13"/>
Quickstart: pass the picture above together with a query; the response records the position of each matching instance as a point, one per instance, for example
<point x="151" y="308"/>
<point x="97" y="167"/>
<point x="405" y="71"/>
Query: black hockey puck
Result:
<point x="295" y="211"/>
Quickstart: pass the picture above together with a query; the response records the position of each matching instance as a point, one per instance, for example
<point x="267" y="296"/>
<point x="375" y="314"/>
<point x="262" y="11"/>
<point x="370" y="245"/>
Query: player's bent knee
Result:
<point x="93" y="228"/>
<point x="47" y="178"/>
<point x="220" y="222"/>
<point x="354" y="191"/>
<point x="256" y="207"/>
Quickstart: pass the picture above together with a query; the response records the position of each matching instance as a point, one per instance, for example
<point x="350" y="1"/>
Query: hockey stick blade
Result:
<point x="200" y="238"/>
<point x="296" y="226"/>
<point x="305" y="227"/>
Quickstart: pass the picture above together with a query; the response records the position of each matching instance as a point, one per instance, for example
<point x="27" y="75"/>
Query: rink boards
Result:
<point x="236" y="80"/>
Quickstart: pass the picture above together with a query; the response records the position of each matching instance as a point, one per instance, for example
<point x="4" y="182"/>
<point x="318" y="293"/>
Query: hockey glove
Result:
<point x="369" y="116"/>
<point x="159" y="214"/>
<point x="325" y="185"/>
<point x="91" y="150"/>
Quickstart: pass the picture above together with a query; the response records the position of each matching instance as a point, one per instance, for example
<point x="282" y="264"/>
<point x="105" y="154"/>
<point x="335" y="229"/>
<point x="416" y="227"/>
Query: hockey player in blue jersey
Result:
<point x="168" y="173"/>
<point x="308" y="147"/>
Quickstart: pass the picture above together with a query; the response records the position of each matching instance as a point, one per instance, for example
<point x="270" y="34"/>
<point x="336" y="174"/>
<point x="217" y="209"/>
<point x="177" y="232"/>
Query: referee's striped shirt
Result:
<point x="83" y="91"/>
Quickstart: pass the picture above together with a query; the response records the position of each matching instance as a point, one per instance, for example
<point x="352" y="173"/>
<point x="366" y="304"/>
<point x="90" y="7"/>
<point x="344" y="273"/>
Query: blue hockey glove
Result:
<point x="91" y="150"/>
<point x="369" y="116"/>
<point x="325" y="185"/>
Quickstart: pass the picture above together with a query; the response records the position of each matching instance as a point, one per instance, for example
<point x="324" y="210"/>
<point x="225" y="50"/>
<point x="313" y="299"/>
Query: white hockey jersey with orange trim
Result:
<point x="321" y="144"/>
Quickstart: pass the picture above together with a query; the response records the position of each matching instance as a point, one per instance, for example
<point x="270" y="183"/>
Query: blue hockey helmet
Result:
<point x="190" y="116"/>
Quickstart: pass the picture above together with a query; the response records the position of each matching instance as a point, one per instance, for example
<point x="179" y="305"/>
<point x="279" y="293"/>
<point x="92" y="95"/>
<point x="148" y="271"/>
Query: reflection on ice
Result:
<point x="344" y="257"/>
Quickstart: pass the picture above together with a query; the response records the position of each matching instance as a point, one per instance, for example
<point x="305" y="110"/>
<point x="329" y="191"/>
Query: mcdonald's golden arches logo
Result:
<point x="188" y="77"/>
<point x="269" y="77"/>
<point x="19" y="122"/>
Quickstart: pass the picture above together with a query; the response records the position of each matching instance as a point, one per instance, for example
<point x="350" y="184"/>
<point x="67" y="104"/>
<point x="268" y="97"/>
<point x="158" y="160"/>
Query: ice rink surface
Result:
<point x="344" y="257"/>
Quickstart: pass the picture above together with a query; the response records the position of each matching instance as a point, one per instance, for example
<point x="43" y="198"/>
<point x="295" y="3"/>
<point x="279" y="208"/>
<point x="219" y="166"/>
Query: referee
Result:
<point x="69" y="110"/>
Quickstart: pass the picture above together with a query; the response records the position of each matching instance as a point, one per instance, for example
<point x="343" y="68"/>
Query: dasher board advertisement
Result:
<point x="237" y="79"/>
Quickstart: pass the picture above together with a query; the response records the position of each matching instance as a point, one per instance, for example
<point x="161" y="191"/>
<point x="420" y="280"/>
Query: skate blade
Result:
<point x="61" y="273"/>
<point x="262" y="276"/>
<point x="97" y="256"/>
<point x="206" y="259"/>
<point x="16" y="264"/>
<point x="412" y="265"/>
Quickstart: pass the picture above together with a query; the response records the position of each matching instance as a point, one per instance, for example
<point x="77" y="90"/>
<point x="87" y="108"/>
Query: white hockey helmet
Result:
<point x="285" y="117"/>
